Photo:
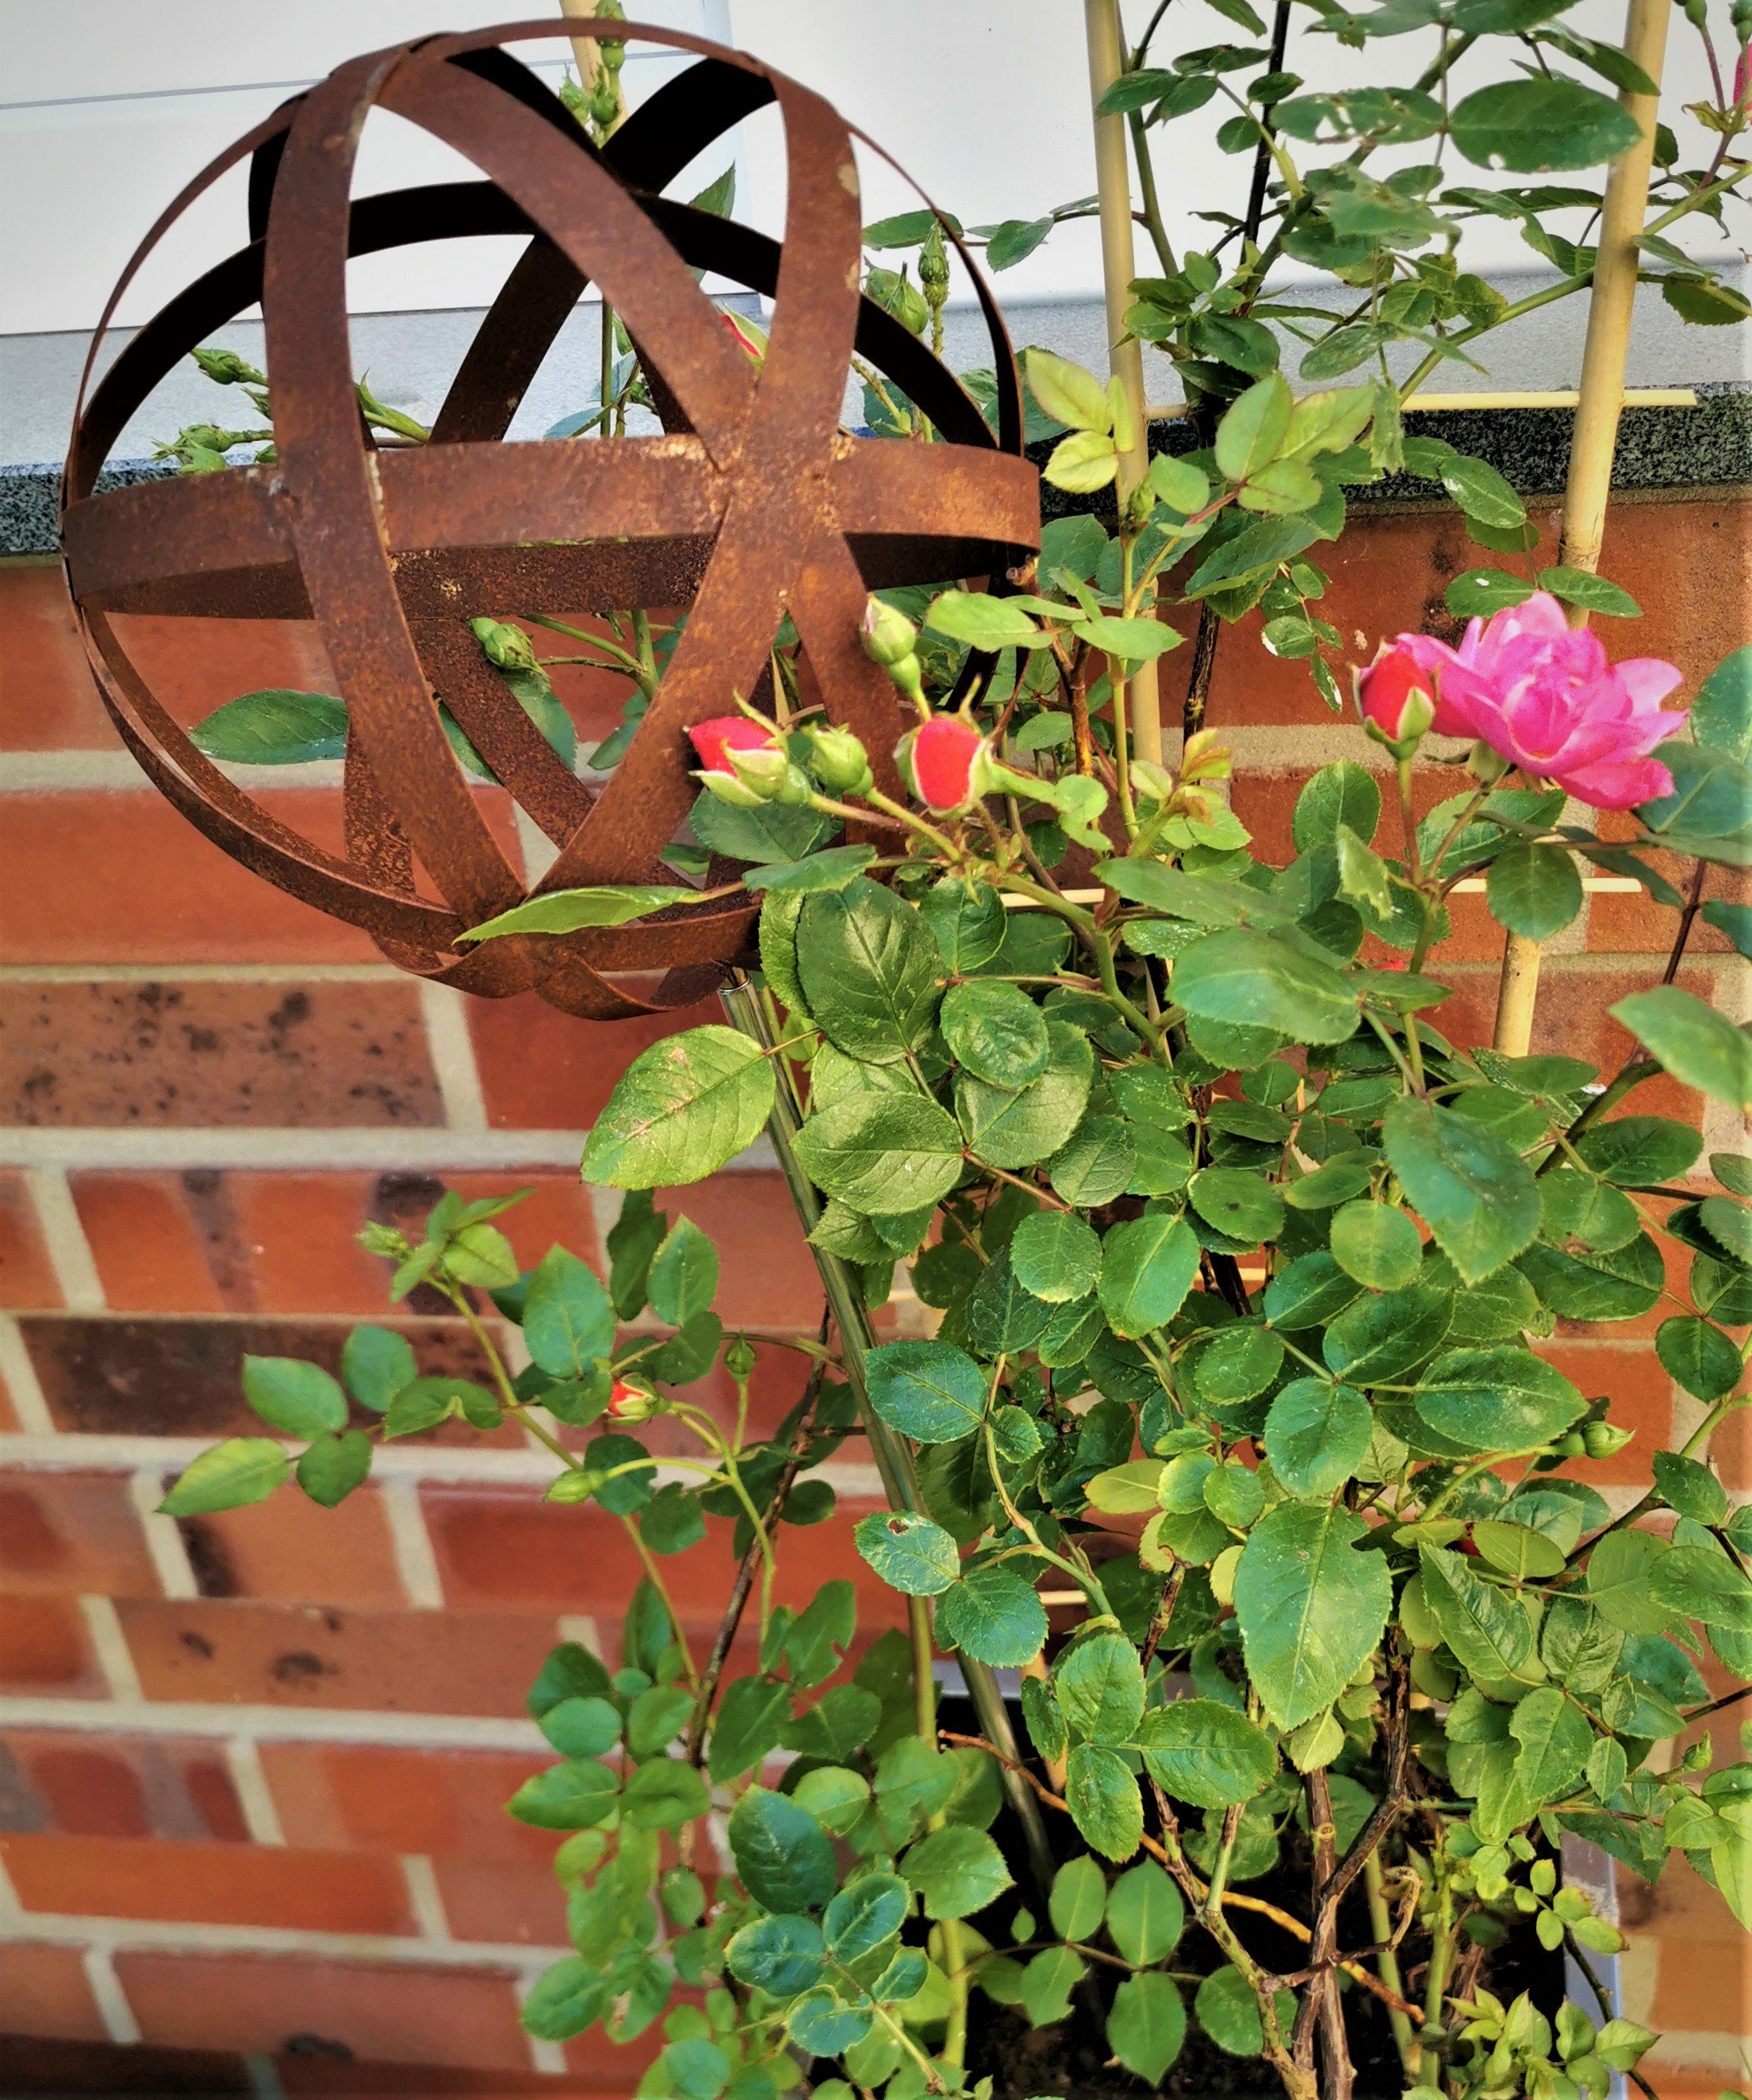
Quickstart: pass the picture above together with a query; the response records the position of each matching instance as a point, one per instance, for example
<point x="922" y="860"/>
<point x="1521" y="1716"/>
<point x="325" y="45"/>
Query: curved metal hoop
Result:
<point x="753" y="505"/>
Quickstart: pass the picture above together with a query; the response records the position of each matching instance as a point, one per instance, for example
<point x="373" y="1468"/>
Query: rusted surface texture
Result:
<point x="753" y="504"/>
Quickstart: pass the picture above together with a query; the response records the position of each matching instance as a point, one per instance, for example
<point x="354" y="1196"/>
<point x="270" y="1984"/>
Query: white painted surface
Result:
<point x="107" y="108"/>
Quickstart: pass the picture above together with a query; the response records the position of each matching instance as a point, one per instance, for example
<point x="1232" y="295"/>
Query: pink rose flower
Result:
<point x="715" y="740"/>
<point x="1542" y="695"/>
<point x="941" y="762"/>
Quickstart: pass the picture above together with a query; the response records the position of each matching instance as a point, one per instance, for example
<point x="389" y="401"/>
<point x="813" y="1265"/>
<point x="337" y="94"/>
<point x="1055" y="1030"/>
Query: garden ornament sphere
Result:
<point x="754" y="503"/>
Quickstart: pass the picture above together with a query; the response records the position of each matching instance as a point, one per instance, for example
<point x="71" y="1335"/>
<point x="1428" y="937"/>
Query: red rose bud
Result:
<point x="1396" y="695"/>
<point x="747" y="337"/>
<point x="715" y="740"/>
<point x="628" y="1403"/>
<point x="943" y="763"/>
<point x="763" y="768"/>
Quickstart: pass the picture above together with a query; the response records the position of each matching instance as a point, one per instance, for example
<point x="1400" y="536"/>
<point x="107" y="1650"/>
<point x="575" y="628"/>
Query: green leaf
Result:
<point x="568" y="1322"/>
<point x="994" y="1031"/>
<point x="967" y="921"/>
<point x="300" y="1398"/>
<point x="835" y="869"/>
<point x="783" y="1955"/>
<point x="1203" y="1752"/>
<point x="1376" y="1243"/>
<point x="1481" y="492"/>
<point x="1595" y="593"/>
<point x="909" y="1552"/>
<point x="1311" y="1607"/>
<point x="1535" y="890"/>
<point x="1082" y="463"/>
<point x="868" y="966"/>
<point x="1536" y="126"/>
<point x="1242" y="976"/>
<point x="1639" y="1152"/>
<point x="333" y="1466"/>
<point x="681" y="1110"/>
<point x="1056" y="1256"/>
<point x="1019" y="1128"/>
<point x="240" y="1471"/>
<point x="376" y="1363"/>
<point x="582" y="1727"/>
<point x="1136" y="640"/>
<point x="881" y="1154"/>
<point x="1700" y="1358"/>
<point x="783" y="1857"/>
<point x="1070" y="394"/>
<point x="1146" y="1916"/>
<point x="993" y="1615"/>
<point x="1702" y="1583"/>
<point x="771" y="831"/>
<point x="1077" y="1900"/>
<point x="1254" y="427"/>
<point x="663" y="1794"/>
<point x="1478" y="593"/>
<point x="1491" y="1635"/>
<point x="683" y="1277"/>
<point x="983" y="622"/>
<point x="1148" y="1266"/>
<point x="1147" y="2024"/>
<point x="1343" y="795"/>
<point x="1721" y="716"/>
<point x="928" y="1391"/>
<point x="571" y="1996"/>
<point x="750" y="1721"/>
<point x="1497" y="1399"/>
<point x="565" y="910"/>
<point x="1379" y="1338"/>
<point x="1103" y="1794"/>
<point x="1238" y="1203"/>
<point x="861" y="1917"/>
<point x="1099" y="1686"/>
<point x="1555" y="1740"/>
<point x="957" y="1871"/>
<point x="1317" y="1435"/>
<point x="1015" y="239"/>
<point x="274" y="727"/>
<point x="1229" y="2013"/>
<point x="578" y="1795"/>
<point x="1701" y="1048"/>
<point x="1473" y="1190"/>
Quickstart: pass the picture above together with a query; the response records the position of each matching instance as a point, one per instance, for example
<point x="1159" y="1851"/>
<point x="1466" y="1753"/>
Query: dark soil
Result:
<point x="1071" y="2059"/>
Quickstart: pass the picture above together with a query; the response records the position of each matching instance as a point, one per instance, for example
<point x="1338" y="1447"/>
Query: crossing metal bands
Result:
<point x="753" y="503"/>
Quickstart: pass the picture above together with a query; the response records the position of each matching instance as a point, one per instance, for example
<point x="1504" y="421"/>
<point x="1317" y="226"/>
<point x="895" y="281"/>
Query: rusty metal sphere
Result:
<point x="752" y="504"/>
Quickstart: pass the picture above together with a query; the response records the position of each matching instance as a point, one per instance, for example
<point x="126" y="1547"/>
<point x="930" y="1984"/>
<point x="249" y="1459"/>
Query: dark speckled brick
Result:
<point x="184" y="1378"/>
<point x="197" y="1053"/>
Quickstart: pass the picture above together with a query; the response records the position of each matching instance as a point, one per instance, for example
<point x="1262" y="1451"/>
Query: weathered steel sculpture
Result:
<point x="754" y="503"/>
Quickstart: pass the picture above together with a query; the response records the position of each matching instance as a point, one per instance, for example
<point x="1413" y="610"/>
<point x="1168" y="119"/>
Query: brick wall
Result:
<point x="252" y="1764"/>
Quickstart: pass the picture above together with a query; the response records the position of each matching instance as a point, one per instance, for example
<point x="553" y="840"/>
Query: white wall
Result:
<point x="108" y="106"/>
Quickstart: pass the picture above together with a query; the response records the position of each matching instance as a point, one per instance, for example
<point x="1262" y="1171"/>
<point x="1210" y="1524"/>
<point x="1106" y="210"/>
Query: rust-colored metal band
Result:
<point x="754" y="505"/>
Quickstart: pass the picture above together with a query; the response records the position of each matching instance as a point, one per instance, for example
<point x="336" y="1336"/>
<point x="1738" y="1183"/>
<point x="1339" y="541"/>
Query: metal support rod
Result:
<point x="1600" y="402"/>
<point x="1112" y="181"/>
<point x="746" y="1009"/>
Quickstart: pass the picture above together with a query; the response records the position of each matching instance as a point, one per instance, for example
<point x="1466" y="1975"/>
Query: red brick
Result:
<point x="1641" y="1394"/>
<point x="27" y="1275"/>
<point x="160" y="1055"/>
<point x="285" y="2005"/>
<point x="372" y="1797"/>
<point x="184" y="1378"/>
<point x="44" y="1991"/>
<point x="265" y="1885"/>
<point x="62" y="1533"/>
<point x="497" y="1548"/>
<point x="542" y="1070"/>
<point x="768" y="1276"/>
<point x="119" y="1786"/>
<point x="48" y="700"/>
<point x="52" y="2070"/>
<point x="616" y="2072"/>
<point x="44" y="1648"/>
<point x="504" y="1903"/>
<point x="427" y="1662"/>
<point x="290" y="1551"/>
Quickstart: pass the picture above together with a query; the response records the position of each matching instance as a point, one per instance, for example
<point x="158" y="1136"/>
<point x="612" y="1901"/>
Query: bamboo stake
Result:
<point x="1595" y="437"/>
<point x="1112" y="180"/>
